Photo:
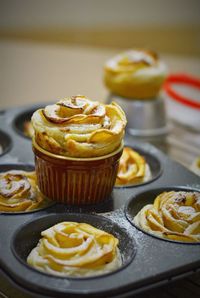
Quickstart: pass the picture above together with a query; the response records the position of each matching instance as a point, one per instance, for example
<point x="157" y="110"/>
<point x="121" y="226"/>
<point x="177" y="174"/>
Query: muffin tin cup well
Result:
<point x="27" y="236"/>
<point x="5" y="143"/>
<point x="28" y="168"/>
<point x="20" y="120"/>
<point x="152" y="160"/>
<point x="5" y="167"/>
<point x="137" y="202"/>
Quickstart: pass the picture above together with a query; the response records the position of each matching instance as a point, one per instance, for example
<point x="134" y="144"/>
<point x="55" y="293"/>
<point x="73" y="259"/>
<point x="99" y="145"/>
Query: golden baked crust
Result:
<point x="79" y="127"/>
<point x="137" y="74"/>
<point x="195" y="167"/>
<point x="75" y="249"/>
<point x="28" y="129"/>
<point x="133" y="168"/>
<point x="173" y="215"/>
<point x="19" y="191"/>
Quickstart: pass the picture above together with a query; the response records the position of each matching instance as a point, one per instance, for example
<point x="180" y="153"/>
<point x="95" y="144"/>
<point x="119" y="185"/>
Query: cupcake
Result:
<point x="77" y="145"/>
<point x="136" y="74"/>
<point x="75" y="250"/>
<point x="19" y="192"/>
<point x="133" y="168"/>
<point x="173" y="215"/>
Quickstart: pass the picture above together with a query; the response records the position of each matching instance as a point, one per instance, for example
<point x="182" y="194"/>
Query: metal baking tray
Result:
<point x="147" y="260"/>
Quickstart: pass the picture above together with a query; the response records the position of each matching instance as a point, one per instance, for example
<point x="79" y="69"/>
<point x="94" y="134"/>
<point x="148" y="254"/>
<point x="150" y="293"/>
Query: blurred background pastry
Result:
<point x="135" y="74"/>
<point x="134" y="79"/>
<point x="28" y="129"/>
<point x="133" y="168"/>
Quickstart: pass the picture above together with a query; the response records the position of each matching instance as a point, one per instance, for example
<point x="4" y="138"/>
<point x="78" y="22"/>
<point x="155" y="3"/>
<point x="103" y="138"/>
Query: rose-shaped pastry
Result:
<point x="79" y="127"/>
<point x="173" y="215"/>
<point x="75" y="249"/>
<point x="195" y="167"/>
<point x="133" y="168"/>
<point x="135" y="74"/>
<point x="28" y="129"/>
<point x="19" y="192"/>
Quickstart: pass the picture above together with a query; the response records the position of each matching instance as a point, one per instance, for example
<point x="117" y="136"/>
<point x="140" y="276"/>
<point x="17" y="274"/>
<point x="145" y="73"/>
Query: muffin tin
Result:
<point x="147" y="260"/>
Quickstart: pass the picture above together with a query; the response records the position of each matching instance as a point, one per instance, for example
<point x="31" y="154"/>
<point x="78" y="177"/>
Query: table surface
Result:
<point x="32" y="73"/>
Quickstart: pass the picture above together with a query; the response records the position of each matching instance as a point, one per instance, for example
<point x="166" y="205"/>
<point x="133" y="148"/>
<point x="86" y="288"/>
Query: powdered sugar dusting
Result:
<point x="119" y="218"/>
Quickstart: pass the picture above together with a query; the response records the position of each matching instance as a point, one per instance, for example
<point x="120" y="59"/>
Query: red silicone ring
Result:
<point x="184" y="80"/>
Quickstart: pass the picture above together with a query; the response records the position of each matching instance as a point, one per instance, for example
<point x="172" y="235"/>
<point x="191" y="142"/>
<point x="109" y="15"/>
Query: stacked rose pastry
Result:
<point x="173" y="215"/>
<point x="135" y="74"/>
<point x="19" y="191"/>
<point x="133" y="168"/>
<point x="75" y="249"/>
<point x="79" y="127"/>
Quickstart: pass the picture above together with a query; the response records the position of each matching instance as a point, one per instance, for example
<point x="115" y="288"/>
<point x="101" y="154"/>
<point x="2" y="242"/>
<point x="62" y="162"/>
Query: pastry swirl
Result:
<point x="135" y="74"/>
<point x="133" y="168"/>
<point x="28" y="129"/>
<point x="173" y="215"/>
<point x="195" y="167"/>
<point x="79" y="127"/>
<point x="75" y="249"/>
<point x="19" y="191"/>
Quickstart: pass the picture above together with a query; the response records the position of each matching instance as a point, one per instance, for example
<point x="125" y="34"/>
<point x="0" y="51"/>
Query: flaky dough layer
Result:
<point x="79" y="127"/>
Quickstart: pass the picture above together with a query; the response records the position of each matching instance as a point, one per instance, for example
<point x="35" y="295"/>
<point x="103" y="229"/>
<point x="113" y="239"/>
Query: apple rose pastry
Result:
<point x="173" y="215"/>
<point x="28" y="129"/>
<point x="19" y="191"/>
<point x="75" y="249"/>
<point x="195" y="167"/>
<point x="133" y="168"/>
<point x="135" y="74"/>
<point x="79" y="127"/>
